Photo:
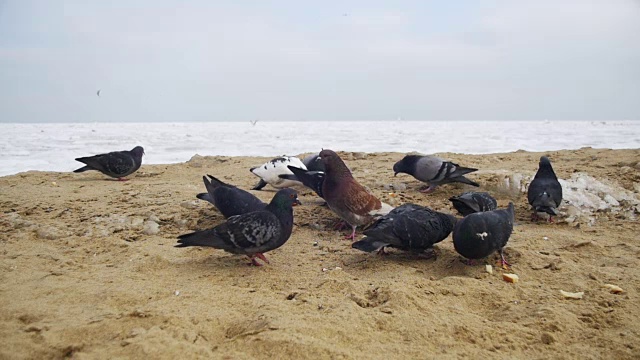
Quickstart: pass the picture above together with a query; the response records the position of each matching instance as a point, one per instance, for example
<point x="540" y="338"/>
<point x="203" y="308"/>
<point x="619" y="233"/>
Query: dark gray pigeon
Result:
<point x="228" y="199"/>
<point x="433" y="170"/>
<point x="479" y="235"/>
<point x="312" y="179"/>
<point x="313" y="162"/>
<point x="545" y="192"/>
<point x="116" y="164"/>
<point x="351" y="201"/>
<point x="408" y="227"/>
<point x="251" y="234"/>
<point x="471" y="202"/>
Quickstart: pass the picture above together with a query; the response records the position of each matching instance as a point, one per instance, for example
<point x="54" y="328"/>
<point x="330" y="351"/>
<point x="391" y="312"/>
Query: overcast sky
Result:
<point x="331" y="60"/>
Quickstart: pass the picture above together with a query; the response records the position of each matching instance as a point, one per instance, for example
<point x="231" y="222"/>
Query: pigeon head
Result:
<point x="285" y="199"/>
<point x="545" y="168"/>
<point x="137" y="151"/>
<point x="406" y="165"/>
<point x="333" y="163"/>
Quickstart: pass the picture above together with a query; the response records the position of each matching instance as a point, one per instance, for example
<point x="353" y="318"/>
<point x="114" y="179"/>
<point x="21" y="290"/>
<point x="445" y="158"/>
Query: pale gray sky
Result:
<point x="331" y="60"/>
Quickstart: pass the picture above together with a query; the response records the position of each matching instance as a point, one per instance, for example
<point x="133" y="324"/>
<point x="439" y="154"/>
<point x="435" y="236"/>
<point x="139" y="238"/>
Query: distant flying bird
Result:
<point x="253" y="122"/>
<point x="98" y="92"/>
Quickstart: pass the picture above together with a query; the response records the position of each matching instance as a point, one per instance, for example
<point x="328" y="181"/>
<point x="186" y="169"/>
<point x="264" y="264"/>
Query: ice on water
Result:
<point x="53" y="147"/>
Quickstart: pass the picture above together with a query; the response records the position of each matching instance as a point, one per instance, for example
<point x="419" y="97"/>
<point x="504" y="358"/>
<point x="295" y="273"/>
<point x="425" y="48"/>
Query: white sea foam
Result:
<point x="52" y="147"/>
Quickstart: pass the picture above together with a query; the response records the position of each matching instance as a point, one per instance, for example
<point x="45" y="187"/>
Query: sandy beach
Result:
<point x="89" y="269"/>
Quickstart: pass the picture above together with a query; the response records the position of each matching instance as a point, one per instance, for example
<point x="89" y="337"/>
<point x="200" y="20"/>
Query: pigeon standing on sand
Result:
<point x="472" y="202"/>
<point x="346" y="197"/>
<point x="433" y="170"/>
<point x="545" y="192"/>
<point x="479" y="235"/>
<point x="251" y="234"/>
<point x="116" y="164"/>
<point x="408" y="227"/>
<point x="312" y="179"/>
<point x="228" y="199"/>
<point x="269" y="172"/>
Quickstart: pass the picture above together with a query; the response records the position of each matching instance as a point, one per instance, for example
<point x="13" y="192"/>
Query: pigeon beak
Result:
<point x="296" y="202"/>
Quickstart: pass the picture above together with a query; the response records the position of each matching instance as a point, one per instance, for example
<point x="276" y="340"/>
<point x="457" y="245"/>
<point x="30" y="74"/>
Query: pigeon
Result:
<point x="269" y="171"/>
<point x="471" y="202"/>
<point x="545" y="192"/>
<point x="346" y="197"/>
<point x="251" y="234"/>
<point x="311" y="179"/>
<point x="228" y="199"/>
<point x="433" y="170"/>
<point x="480" y="234"/>
<point x="408" y="227"/>
<point x="116" y="164"/>
<point x="313" y="162"/>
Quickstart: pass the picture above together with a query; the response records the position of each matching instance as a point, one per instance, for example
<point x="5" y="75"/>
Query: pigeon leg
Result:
<point x="122" y="179"/>
<point x="262" y="257"/>
<point x="382" y="252"/>
<point x="470" y="262"/>
<point x="428" y="190"/>
<point x="428" y="254"/>
<point x="535" y="217"/>
<point x="503" y="261"/>
<point x="353" y="234"/>
<point x="254" y="262"/>
<point x="550" y="220"/>
<point x="341" y="224"/>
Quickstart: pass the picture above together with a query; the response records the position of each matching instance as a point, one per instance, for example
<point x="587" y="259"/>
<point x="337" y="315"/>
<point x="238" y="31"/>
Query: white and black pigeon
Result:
<point x="480" y="234"/>
<point x="312" y="179"/>
<point x="408" y="227"/>
<point x="269" y="172"/>
<point x="433" y="170"/>
<point x="251" y="234"/>
<point x="471" y="202"/>
<point x="116" y="164"/>
<point x="545" y="192"/>
<point x="346" y="197"/>
<point x="228" y="199"/>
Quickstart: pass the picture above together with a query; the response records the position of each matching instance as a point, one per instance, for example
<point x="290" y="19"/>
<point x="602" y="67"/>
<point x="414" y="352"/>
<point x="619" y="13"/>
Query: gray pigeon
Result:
<point x="228" y="199"/>
<point x="479" y="235"/>
<point x="471" y="202"/>
<point x="346" y="197"/>
<point x="251" y="234"/>
<point x="433" y="170"/>
<point x="313" y="162"/>
<point x="312" y="179"/>
<point x="407" y="227"/>
<point x="545" y="192"/>
<point x="116" y="164"/>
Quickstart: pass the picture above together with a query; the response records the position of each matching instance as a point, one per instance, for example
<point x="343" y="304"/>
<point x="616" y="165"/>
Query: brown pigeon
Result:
<point x="346" y="197"/>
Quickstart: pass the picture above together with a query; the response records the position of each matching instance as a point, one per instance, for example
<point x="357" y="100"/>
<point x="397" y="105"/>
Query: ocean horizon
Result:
<point x="54" y="146"/>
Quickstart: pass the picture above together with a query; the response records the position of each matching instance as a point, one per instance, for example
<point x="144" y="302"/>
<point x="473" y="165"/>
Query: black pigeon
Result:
<point x="471" y="202"/>
<point x="433" y="170"/>
<point x="116" y="164"/>
<point x="313" y="162"/>
<point x="408" y="227"/>
<point x="479" y="235"/>
<point x="251" y="234"/>
<point x="545" y="192"/>
<point x="312" y="179"/>
<point x="228" y="199"/>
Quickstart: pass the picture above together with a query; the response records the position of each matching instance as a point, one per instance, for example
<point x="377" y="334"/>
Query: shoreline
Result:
<point x="87" y="274"/>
